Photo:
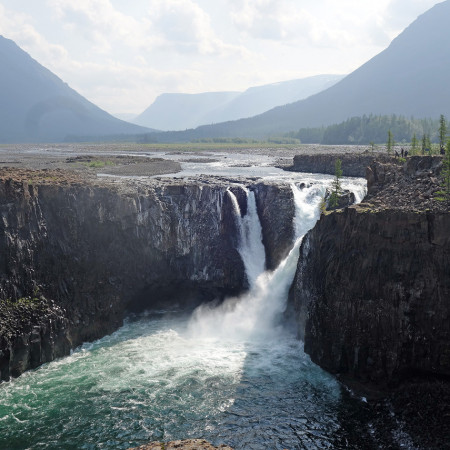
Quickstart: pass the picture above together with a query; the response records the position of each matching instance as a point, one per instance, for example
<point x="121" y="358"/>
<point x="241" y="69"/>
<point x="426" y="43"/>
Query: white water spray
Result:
<point x="254" y="314"/>
<point x="250" y="246"/>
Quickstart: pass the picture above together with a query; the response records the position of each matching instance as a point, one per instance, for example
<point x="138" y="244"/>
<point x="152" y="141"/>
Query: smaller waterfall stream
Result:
<point x="250" y="246"/>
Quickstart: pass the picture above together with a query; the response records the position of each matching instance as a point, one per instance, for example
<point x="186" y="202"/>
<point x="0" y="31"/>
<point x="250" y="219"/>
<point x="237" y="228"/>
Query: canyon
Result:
<point x="371" y="293"/>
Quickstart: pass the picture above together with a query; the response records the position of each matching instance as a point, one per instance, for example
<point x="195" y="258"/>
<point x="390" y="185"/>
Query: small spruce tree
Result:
<point x="442" y="132"/>
<point x="336" y="188"/>
<point x="414" y="145"/>
<point x="424" y="143"/>
<point x="444" y="194"/>
<point x="390" y="143"/>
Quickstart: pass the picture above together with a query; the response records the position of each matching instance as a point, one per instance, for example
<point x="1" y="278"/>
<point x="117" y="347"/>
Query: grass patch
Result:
<point x="98" y="164"/>
<point x="25" y="301"/>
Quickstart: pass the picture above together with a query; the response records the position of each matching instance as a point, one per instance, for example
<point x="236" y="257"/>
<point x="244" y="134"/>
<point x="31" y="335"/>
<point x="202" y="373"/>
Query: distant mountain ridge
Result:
<point x="37" y="106"/>
<point x="409" y="78"/>
<point x="183" y="111"/>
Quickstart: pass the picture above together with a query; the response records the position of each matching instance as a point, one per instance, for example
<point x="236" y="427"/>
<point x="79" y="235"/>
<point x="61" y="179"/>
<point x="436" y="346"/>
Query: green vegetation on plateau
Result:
<point x="370" y="129"/>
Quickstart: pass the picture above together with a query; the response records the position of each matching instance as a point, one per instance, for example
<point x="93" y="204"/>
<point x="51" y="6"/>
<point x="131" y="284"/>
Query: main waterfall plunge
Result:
<point x="229" y="373"/>
<point x="255" y="313"/>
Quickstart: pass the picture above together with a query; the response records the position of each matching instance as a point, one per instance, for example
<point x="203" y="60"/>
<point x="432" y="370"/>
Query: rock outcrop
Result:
<point x="276" y="212"/>
<point x="189" y="444"/>
<point x="353" y="165"/>
<point x="372" y="290"/>
<point x="99" y="248"/>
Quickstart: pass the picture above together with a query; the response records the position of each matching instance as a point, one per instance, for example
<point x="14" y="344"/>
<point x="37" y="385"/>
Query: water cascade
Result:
<point x="250" y="246"/>
<point x="255" y="313"/>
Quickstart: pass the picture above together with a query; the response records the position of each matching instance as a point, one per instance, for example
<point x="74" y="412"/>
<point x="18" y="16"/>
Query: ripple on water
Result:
<point x="150" y="380"/>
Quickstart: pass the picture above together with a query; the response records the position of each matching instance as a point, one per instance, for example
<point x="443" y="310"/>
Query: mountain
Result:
<point x="409" y="78"/>
<point x="182" y="111"/>
<point x="37" y="106"/>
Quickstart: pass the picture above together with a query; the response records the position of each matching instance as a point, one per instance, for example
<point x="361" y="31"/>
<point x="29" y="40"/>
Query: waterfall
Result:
<point x="306" y="201"/>
<point x="254" y="314"/>
<point x="250" y="245"/>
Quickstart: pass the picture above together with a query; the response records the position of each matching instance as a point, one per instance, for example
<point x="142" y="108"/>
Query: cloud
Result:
<point x="184" y="26"/>
<point x="18" y="27"/>
<point x="400" y="13"/>
<point x="179" y="25"/>
<point x="100" y="23"/>
<point x="291" y="22"/>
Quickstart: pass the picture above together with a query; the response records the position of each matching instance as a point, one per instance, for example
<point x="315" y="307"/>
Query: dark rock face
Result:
<point x="98" y="250"/>
<point x="353" y="165"/>
<point x="276" y="212"/>
<point x="32" y="332"/>
<point x="372" y="291"/>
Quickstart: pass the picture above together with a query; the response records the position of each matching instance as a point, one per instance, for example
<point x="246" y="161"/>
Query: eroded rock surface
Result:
<point x="97" y="248"/>
<point x="372" y="291"/>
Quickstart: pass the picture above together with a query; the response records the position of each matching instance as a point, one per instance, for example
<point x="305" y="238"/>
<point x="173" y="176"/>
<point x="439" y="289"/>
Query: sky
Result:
<point x="122" y="54"/>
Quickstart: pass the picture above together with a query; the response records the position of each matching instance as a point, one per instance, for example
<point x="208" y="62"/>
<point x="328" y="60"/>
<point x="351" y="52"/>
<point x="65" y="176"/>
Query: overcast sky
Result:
<point x="121" y="54"/>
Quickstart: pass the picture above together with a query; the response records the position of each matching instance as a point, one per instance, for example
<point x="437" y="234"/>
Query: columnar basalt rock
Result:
<point x="372" y="290"/>
<point x="99" y="248"/>
<point x="276" y="212"/>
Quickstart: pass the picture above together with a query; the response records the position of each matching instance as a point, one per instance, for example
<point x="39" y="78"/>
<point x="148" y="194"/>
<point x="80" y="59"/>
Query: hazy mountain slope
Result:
<point x="409" y="78"/>
<point x="257" y="100"/>
<point x="36" y="105"/>
<point x="182" y="111"/>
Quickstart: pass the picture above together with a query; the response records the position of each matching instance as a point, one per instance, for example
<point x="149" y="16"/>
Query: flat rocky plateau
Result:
<point x="130" y="159"/>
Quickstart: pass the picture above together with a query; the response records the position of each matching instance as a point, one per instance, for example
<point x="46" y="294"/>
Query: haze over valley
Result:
<point x="407" y="78"/>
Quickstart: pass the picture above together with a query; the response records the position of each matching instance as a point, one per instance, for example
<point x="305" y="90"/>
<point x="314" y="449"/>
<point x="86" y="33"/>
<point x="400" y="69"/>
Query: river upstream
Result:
<point x="232" y="373"/>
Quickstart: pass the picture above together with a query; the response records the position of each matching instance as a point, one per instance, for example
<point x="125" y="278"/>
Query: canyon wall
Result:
<point x="75" y="256"/>
<point x="372" y="290"/>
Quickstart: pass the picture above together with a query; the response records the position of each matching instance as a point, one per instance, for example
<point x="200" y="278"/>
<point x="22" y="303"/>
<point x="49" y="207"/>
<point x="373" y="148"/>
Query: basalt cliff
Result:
<point x="77" y="254"/>
<point x="372" y="290"/>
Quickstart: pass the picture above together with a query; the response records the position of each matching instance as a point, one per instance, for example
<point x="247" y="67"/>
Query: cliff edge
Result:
<point x="372" y="290"/>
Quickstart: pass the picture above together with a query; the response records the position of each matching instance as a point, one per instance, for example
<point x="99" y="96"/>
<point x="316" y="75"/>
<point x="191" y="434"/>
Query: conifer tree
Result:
<point x="336" y="188"/>
<point x="424" y="143"/>
<point x="442" y="132"/>
<point x="390" y="143"/>
<point x="444" y="194"/>
<point x="414" y="145"/>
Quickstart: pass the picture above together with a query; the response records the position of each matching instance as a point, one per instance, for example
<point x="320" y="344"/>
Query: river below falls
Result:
<point x="152" y="380"/>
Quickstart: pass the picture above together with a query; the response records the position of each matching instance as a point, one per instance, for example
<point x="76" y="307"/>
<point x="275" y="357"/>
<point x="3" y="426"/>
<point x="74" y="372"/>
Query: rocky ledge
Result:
<point x="372" y="290"/>
<point x="353" y="164"/>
